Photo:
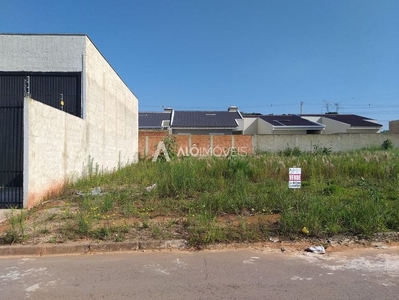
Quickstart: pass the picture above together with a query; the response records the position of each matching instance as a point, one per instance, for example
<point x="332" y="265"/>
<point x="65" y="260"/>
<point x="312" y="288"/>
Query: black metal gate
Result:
<point x="11" y="157"/>
<point x="47" y="88"/>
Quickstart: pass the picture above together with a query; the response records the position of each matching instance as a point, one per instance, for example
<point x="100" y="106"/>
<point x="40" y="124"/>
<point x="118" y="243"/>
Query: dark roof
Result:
<point x="152" y="120"/>
<point x="352" y="120"/>
<point x="288" y="120"/>
<point x="205" y="119"/>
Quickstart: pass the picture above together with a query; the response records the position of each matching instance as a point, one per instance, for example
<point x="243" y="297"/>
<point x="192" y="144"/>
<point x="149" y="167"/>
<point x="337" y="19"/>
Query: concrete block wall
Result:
<point x="251" y="144"/>
<point x="337" y="142"/>
<point x="41" y="53"/>
<point x="111" y="111"/>
<point x="55" y="150"/>
<point x="57" y="146"/>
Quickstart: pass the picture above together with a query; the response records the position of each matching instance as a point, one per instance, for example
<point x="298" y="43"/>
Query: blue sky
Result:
<point x="263" y="56"/>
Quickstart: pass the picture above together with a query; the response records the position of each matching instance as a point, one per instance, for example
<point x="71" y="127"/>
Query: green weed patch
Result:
<point x="223" y="200"/>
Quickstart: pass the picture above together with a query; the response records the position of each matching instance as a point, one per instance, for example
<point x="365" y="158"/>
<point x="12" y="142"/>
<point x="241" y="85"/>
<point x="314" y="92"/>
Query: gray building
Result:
<point x="63" y="108"/>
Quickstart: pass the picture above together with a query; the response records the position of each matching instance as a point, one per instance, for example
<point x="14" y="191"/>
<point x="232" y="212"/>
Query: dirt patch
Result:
<point x="55" y="222"/>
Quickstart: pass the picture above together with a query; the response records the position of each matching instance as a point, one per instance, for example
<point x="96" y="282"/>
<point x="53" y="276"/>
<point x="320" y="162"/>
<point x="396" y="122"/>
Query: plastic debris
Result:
<point x="94" y="192"/>
<point x="305" y="230"/>
<point x="274" y="239"/>
<point x="316" y="249"/>
<point x="151" y="187"/>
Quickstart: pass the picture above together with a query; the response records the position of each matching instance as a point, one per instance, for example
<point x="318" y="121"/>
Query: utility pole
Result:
<point x="337" y="106"/>
<point x="300" y="112"/>
<point x="327" y="106"/>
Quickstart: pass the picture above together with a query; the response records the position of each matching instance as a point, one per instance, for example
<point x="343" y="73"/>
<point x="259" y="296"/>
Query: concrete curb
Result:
<point x="86" y="248"/>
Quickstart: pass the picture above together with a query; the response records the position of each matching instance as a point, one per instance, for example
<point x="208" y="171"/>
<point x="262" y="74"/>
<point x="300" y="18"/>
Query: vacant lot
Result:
<point x="222" y="200"/>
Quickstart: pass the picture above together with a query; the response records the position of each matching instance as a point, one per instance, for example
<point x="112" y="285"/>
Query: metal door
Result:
<point x="11" y="157"/>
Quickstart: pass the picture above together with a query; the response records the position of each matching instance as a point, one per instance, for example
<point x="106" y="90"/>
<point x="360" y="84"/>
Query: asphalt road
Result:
<point x="227" y="274"/>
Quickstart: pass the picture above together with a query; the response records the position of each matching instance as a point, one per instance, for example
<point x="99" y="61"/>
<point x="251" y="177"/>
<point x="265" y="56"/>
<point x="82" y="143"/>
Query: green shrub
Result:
<point x="291" y="152"/>
<point x="319" y="150"/>
<point x="16" y="231"/>
<point x="387" y="145"/>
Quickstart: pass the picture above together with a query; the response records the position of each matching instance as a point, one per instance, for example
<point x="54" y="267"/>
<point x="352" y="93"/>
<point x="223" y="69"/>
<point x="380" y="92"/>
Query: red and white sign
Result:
<point x="294" y="180"/>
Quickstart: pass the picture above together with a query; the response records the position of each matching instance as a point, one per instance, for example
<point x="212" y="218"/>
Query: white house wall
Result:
<point x="333" y="126"/>
<point x="362" y="130"/>
<point x="316" y="119"/>
<point x="264" y="127"/>
<point x="250" y="125"/>
<point x="289" y="132"/>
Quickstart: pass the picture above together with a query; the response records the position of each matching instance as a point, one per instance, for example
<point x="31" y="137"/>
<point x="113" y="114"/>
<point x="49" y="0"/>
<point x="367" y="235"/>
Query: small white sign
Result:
<point x="294" y="180"/>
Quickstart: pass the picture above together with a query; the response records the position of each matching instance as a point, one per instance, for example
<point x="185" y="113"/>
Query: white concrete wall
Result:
<point x="111" y="112"/>
<point x="55" y="150"/>
<point x="337" y="142"/>
<point x="59" y="146"/>
<point x="41" y="53"/>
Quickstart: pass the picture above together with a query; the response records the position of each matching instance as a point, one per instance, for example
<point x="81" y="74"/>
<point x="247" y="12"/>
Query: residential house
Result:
<point x="154" y="120"/>
<point x="345" y="123"/>
<point x="194" y="122"/>
<point x="280" y="124"/>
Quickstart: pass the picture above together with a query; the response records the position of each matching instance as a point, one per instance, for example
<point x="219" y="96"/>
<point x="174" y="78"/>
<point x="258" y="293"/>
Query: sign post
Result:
<point x="294" y="180"/>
